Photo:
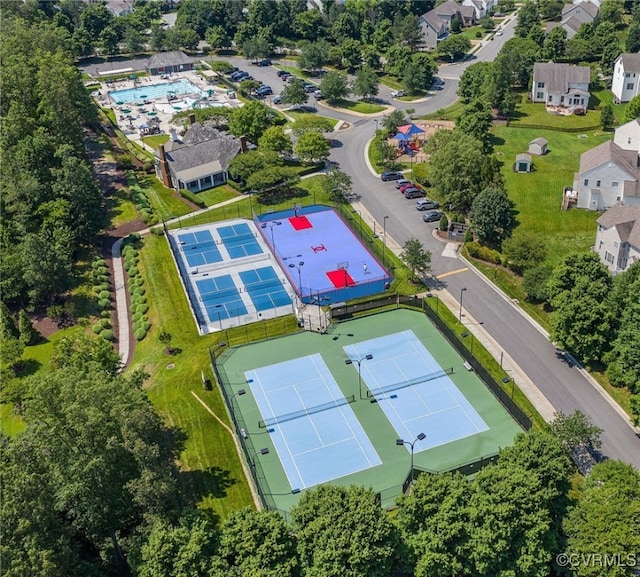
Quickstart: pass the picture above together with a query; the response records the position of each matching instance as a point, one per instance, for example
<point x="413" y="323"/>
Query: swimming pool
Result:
<point x="155" y="91"/>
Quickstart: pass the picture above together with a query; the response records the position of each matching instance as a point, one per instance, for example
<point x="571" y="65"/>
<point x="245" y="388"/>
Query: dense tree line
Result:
<point x="51" y="204"/>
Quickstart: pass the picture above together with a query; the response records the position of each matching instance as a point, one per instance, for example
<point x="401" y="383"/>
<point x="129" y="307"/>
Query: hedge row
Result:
<point x="192" y="198"/>
<point x="139" y="306"/>
<point x="102" y="290"/>
<point x="142" y="204"/>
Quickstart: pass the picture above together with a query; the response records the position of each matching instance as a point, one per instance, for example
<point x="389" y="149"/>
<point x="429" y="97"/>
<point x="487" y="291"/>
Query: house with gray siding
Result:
<point x="169" y="63"/>
<point x="618" y="237"/>
<point x="561" y="85"/>
<point x="625" y="84"/>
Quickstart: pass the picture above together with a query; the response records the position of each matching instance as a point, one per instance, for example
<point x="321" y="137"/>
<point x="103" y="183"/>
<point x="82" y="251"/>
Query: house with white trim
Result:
<point x="434" y="30"/>
<point x="625" y="84"/>
<point x="574" y="16"/>
<point x="618" y="237"/>
<point x="610" y="172"/>
<point x="481" y="7"/>
<point x="561" y="85"/>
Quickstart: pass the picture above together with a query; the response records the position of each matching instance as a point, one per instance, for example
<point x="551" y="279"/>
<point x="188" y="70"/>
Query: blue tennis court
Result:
<point x="199" y="248"/>
<point x="220" y="297"/>
<point x="239" y="240"/>
<point x="314" y="430"/>
<point x="265" y="289"/>
<point x="414" y="391"/>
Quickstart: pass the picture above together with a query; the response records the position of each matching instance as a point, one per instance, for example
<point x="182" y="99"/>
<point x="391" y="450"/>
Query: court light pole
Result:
<point x="359" y="363"/>
<point x="401" y="442"/>
<point x="460" y="313"/>
<point x="298" y="267"/>
<point x="270" y="225"/>
<point x="252" y="461"/>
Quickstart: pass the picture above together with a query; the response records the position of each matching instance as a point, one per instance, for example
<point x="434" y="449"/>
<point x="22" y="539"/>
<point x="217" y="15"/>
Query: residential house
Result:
<point x="596" y="2"/>
<point x="433" y="30"/>
<point x="169" y="62"/>
<point x="574" y="16"/>
<point x="626" y="77"/>
<point x="120" y="7"/>
<point x="561" y="85"/>
<point x="199" y="161"/>
<point x="468" y="14"/>
<point x="481" y="8"/>
<point x="618" y="237"/>
<point x="610" y="172"/>
<point x="436" y="24"/>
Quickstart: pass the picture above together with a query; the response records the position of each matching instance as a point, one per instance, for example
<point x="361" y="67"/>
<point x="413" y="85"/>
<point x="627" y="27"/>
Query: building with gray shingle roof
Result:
<point x="169" y="63"/>
<point x="561" y="85"/>
<point x="625" y="84"/>
<point x="199" y="161"/>
<point x="618" y="237"/>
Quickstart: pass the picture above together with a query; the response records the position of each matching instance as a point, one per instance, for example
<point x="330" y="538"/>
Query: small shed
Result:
<point x="538" y="146"/>
<point x="523" y="163"/>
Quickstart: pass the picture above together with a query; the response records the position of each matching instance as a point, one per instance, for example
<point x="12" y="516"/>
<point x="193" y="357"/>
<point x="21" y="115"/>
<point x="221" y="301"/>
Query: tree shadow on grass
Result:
<point x="28" y="367"/>
<point x="201" y="484"/>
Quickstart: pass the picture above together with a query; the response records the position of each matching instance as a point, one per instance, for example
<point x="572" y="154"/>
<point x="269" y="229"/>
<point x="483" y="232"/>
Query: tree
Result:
<point x="633" y="109"/>
<point x="454" y="47"/>
<point x="398" y="57"/>
<point x="417" y="258"/>
<point x="133" y="40"/>
<point x="473" y="80"/>
<point x="334" y="86"/>
<point x="255" y="47"/>
<point x="524" y="251"/>
<point x="247" y="87"/>
<point x="311" y="147"/>
<point x="312" y="123"/>
<point x="294" y="93"/>
<point x="28" y="334"/>
<point x="275" y="140"/>
<point x="576" y="430"/>
<point x="365" y="83"/>
<point x="492" y="216"/>
<point x="534" y="282"/>
<point x="393" y="120"/>
<point x="339" y="184"/>
<point x="109" y="457"/>
<point x="165" y="338"/>
<point x="607" y="117"/>
<point x="272" y="181"/>
<point x="251" y="120"/>
<point x="218" y="38"/>
<point x="82" y="352"/>
<point x="243" y="166"/>
<point x="343" y="531"/>
<point x="555" y="44"/>
<point x="528" y="18"/>
<point x="454" y="167"/>
<point x="313" y="55"/>
<point x="186" y="548"/>
<point x="611" y="11"/>
<point x="408" y="31"/>
<point x="633" y="39"/>
<point x="419" y="73"/>
<point x="109" y="41"/>
<point x="456" y="25"/>
<point x="351" y="52"/>
<point x="476" y="120"/>
<point x="606" y="520"/>
<point x="257" y="543"/>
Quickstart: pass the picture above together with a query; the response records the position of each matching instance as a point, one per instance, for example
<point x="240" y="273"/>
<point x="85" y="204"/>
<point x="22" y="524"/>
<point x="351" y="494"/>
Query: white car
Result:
<point x="397" y="93"/>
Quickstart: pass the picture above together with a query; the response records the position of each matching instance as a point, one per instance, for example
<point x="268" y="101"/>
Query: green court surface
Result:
<point x="388" y="477"/>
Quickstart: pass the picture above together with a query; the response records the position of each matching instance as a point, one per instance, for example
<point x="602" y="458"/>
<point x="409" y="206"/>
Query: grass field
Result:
<point x="218" y="194"/>
<point x="155" y="140"/>
<point x="165" y="201"/>
<point x="538" y="195"/>
<point x="360" y="106"/>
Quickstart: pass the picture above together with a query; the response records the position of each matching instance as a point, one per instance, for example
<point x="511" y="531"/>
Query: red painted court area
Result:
<point x="340" y="278"/>
<point x="300" y="222"/>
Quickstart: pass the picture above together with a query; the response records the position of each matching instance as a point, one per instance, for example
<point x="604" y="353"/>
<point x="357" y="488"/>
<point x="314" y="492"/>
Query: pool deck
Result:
<point x="158" y="111"/>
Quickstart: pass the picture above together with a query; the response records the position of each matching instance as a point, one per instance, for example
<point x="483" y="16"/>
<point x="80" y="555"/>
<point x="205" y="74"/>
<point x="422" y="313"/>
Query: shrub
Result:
<point x="137" y="281"/>
<point x="444" y="223"/>
<point x="133" y="271"/>
<point x="483" y="253"/>
<point x="102" y="278"/>
<point x="139" y="291"/>
<point x="98" y="288"/>
<point x="105" y="315"/>
<point x="103" y="270"/>
<point x="134" y="236"/>
<point x="146" y="325"/>
<point x="534" y="282"/>
<point x="468" y="235"/>
<point x="97" y="263"/>
<point x="104" y="304"/>
<point x="142" y="308"/>
<point x="104" y="294"/>
<point x="127" y="250"/>
<point x="97" y="328"/>
<point x="136" y="317"/>
<point x="139" y="300"/>
<point x="140" y="334"/>
<point x="107" y="335"/>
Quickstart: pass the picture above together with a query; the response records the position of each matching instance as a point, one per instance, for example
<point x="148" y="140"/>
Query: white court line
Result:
<point x="324" y="446"/>
<point x="293" y="385"/>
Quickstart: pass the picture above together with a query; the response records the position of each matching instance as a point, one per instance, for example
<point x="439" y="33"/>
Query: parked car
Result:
<point x="264" y="62"/>
<point x="391" y="175"/>
<point x="402" y="182"/>
<point x="308" y="87"/>
<point x="277" y="99"/>
<point x="264" y="91"/>
<point x="413" y="193"/>
<point x="317" y="94"/>
<point x="410" y="184"/>
<point x="282" y="73"/>
<point x="397" y="93"/>
<point x="426" y="204"/>
<point x="432" y="216"/>
<point x="499" y="33"/>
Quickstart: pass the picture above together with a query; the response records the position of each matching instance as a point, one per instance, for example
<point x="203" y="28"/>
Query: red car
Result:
<point x="409" y="185"/>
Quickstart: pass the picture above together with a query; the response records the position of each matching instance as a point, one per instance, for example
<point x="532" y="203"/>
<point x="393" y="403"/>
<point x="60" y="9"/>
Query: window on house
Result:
<point x="629" y="140"/>
<point x="614" y="183"/>
<point x="600" y="245"/>
<point x="550" y="98"/>
<point x="562" y="100"/>
<point x="629" y="85"/>
<point x="616" y="244"/>
<point x="586" y="182"/>
<point x="627" y="75"/>
<point x="618" y="198"/>
<point x="623" y="263"/>
<point x="540" y="84"/>
<point x="608" y="257"/>
<point x="539" y="95"/>
<point x="597" y="184"/>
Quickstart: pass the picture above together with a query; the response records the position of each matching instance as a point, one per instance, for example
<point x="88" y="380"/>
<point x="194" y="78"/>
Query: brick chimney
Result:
<point x="243" y="144"/>
<point x="192" y="118"/>
<point x="164" y="168"/>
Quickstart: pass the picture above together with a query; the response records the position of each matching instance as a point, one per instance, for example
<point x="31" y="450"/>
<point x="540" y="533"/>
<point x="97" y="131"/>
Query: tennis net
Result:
<point x="304" y="412"/>
<point x="409" y="383"/>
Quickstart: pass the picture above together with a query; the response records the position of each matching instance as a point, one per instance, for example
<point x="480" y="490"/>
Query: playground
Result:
<point x="410" y="139"/>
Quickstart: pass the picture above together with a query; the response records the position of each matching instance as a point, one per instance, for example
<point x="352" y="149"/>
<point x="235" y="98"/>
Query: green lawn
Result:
<point x="296" y="114"/>
<point x="359" y="106"/>
<point x="165" y="201"/>
<point x="121" y="209"/>
<point x="156" y="140"/>
<point x="535" y="114"/>
<point x="218" y="194"/>
<point x="451" y="112"/>
<point x="538" y="195"/>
